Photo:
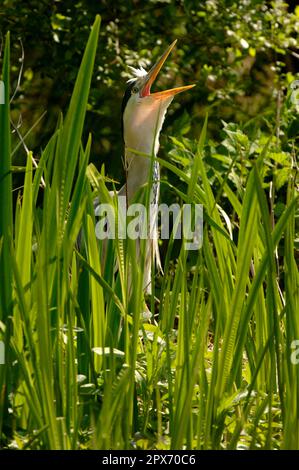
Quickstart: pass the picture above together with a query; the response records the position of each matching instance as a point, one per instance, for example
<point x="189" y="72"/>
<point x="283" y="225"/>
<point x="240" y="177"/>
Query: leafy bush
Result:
<point x="216" y="366"/>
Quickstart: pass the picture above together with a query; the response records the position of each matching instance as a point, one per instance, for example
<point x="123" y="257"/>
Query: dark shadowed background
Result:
<point x="241" y="54"/>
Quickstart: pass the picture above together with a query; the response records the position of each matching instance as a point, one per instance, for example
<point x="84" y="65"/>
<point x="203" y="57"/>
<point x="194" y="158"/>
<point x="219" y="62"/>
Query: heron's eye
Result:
<point x="135" y="89"/>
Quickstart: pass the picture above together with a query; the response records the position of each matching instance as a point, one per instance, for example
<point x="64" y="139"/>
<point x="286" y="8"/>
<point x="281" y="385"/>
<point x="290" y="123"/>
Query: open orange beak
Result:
<point x="152" y="75"/>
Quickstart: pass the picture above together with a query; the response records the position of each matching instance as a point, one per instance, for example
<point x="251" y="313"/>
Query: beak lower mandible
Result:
<point x="152" y="75"/>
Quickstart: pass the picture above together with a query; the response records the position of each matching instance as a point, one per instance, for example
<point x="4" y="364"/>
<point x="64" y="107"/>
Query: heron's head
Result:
<point x="143" y="112"/>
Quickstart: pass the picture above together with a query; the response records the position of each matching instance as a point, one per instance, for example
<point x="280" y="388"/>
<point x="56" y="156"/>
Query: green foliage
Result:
<point x="240" y="54"/>
<point x="212" y="368"/>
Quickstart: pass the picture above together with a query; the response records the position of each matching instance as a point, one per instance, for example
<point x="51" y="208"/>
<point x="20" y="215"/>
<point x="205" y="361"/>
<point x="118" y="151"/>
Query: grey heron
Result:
<point x="143" y="114"/>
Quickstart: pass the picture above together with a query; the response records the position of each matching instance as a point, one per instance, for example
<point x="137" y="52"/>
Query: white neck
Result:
<point x="143" y="122"/>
